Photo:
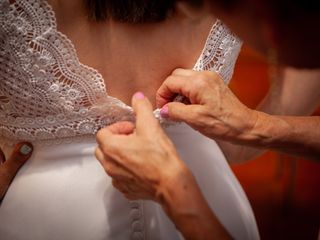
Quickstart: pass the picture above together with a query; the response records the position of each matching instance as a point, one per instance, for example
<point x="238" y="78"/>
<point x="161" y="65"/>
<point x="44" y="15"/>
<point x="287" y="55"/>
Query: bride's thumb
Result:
<point x="20" y="154"/>
<point x="9" y="168"/>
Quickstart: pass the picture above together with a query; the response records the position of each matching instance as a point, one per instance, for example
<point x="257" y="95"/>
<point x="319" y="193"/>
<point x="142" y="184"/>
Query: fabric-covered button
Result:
<point x="137" y="236"/>
<point x="135" y="213"/>
<point x="134" y="204"/>
<point x="136" y="226"/>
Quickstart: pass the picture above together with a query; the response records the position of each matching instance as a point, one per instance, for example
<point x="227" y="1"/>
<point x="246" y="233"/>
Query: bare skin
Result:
<point x="217" y="113"/>
<point x="10" y="165"/>
<point x="169" y="186"/>
<point x="131" y="57"/>
<point x="134" y="179"/>
<point x="296" y="93"/>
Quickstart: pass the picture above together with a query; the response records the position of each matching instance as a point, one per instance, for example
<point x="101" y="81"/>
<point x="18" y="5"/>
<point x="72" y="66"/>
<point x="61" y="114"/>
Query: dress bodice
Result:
<point x="47" y="95"/>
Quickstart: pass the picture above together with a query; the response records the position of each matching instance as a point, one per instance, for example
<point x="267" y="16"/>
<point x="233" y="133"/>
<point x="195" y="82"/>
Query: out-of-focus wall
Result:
<point x="284" y="191"/>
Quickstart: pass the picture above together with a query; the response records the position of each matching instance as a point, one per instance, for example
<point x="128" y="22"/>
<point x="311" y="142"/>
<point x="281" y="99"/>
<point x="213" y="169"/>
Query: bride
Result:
<point x="67" y="69"/>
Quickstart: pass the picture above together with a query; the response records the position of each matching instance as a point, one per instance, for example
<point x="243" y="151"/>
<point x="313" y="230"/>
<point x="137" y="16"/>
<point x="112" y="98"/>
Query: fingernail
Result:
<point x="25" y="149"/>
<point x="164" y="112"/>
<point x="138" y="95"/>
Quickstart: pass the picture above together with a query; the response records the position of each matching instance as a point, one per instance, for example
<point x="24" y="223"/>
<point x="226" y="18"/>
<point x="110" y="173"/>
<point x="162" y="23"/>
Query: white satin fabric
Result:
<point x="63" y="193"/>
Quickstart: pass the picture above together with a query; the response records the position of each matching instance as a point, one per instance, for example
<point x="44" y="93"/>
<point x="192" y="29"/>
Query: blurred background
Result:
<point x="284" y="191"/>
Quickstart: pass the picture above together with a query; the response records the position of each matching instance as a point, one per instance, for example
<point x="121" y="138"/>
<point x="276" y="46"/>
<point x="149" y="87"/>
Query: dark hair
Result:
<point x="132" y="11"/>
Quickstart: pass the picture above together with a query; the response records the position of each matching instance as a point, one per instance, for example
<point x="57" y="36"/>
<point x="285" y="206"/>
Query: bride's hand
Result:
<point x="213" y="110"/>
<point x="140" y="158"/>
<point x="11" y="165"/>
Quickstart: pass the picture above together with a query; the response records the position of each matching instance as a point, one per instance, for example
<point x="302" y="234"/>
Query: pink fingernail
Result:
<point x="164" y="112"/>
<point x="138" y="95"/>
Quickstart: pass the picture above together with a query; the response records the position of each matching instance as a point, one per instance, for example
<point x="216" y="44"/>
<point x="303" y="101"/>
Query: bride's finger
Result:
<point x="2" y="157"/>
<point x="20" y="154"/>
<point x="9" y="168"/>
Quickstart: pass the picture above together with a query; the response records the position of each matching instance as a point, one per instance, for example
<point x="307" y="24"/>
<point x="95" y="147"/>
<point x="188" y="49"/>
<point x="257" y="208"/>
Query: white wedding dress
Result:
<point x="50" y="99"/>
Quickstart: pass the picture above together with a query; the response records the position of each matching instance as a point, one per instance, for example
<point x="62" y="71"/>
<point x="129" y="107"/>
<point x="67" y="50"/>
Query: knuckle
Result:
<point x="170" y="79"/>
<point x="107" y="148"/>
<point x="200" y="117"/>
<point x="100" y="136"/>
<point x="211" y="74"/>
<point x="201" y="82"/>
<point x="160" y="100"/>
<point x="109" y="168"/>
<point x="116" y="184"/>
<point x="98" y="154"/>
<point x="176" y="71"/>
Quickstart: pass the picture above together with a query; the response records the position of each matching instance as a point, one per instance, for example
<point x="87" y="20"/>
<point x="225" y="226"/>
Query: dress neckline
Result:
<point x="101" y="78"/>
<point x="55" y="97"/>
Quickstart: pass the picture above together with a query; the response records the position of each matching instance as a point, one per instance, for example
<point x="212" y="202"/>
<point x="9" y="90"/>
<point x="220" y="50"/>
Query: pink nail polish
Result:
<point x="138" y="95"/>
<point x="164" y="112"/>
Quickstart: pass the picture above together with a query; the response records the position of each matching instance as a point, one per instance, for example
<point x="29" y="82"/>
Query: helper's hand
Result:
<point x="213" y="110"/>
<point x="10" y="166"/>
<point x="144" y="164"/>
<point x="141" y="159"/>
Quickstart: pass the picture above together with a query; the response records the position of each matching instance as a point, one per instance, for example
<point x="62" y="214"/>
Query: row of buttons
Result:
<point x="137" y="220"/>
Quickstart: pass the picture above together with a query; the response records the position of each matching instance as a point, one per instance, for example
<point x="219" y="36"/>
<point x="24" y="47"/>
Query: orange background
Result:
<point x="284" y="191"/>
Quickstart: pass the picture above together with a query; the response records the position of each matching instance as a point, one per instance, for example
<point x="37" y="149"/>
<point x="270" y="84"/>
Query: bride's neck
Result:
<point x="72" y="11"/>
<point x="69" y="11"/>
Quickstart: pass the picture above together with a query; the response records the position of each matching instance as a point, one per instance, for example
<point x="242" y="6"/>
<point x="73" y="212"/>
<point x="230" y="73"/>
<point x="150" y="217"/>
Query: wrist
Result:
<point x="265" y="130"/>
<point x="174" y="188"/>
<point x="244" y="125"/>
<point x="184" y="203"/>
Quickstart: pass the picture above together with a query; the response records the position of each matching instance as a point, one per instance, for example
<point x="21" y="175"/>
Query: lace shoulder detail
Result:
<point x="45" y="92"/>
<point x="47" y="95"/>
<point x="220" y="52"/>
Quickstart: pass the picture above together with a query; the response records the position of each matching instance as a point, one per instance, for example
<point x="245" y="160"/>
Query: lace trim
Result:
<point x="46" y="94"/>
<point x="220" y="52"/>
